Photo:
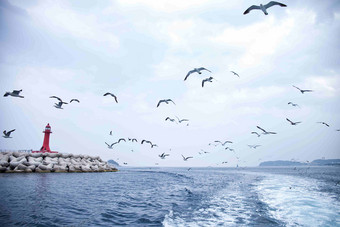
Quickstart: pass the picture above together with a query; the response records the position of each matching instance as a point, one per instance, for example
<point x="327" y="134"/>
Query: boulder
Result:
<point x="60" y="168"/>
<point x="2" y="169"/>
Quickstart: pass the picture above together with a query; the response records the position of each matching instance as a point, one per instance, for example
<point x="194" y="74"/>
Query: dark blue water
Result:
<point x="174" y="197"/>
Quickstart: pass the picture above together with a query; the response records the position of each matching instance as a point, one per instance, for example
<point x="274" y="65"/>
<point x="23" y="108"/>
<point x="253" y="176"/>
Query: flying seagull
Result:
<point x="293" y="104"/>
<point x="110" y="146"/>
<point x="121" y="140"/>
<point x="166" y="101"/>
<point x="8" y="134"/>
<point x="59" y="104"/>
<point x="110" y="133"/>
<point x="229" y="149"/>
<point x="151" y="144"/>
<point x="264" y="7"/>
<point x="14" y="93"/>
<point x="133" y="139"/>
<point x="226" y="142"/>
<point x="324" y="123"/>
<point x="186" y="158"/>
<point x="162" y="156"/>
<point x="170" y="119"/>
<point x="196" y="70"/>
<point x="258" y="135"/>
<point x="265" y="132"/>
<point x="293" y="123"/>
<point x="338" y="130"/>
<point x="302" y="91"/>
<point x="235" y="73"/>
<point x="181" y="120"/>
<point x="224" y="162"/>
<point x="207" y="80"/>
<point x="76" y="100"/>
<point x="254" y="146"/>
<point x="115" y="97"/>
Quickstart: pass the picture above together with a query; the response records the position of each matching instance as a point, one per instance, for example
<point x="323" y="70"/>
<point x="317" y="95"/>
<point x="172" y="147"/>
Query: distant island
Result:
<point x="317" y="162"/>
<point x="113" y="162"/>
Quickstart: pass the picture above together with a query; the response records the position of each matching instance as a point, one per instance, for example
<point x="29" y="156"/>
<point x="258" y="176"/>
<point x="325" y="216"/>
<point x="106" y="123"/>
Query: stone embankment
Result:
<point x="23" y="162"/>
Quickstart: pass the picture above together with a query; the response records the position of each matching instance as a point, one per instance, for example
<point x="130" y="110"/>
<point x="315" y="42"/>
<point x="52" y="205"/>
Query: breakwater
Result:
<point x="24" y="162"/>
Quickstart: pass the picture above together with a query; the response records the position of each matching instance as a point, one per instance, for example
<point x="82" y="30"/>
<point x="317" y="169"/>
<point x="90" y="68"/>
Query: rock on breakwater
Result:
<point x="23" y="162"/>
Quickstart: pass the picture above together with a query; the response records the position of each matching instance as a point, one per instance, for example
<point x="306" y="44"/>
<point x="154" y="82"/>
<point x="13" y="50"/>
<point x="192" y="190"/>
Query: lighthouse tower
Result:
<point x="46" y="144"/>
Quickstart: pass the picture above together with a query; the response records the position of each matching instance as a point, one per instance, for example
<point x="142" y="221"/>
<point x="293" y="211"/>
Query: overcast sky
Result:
<point x="141" y="50"/>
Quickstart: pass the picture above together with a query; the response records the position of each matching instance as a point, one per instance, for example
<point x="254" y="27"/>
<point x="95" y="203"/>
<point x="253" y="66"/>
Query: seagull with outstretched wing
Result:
<point x="293" y="123"/>
<point x="265" y="132"/>
<point x="236" y="74"/>
<point x="186" y="158"/>
<point x="74" y="100"/>
<point x="264" y="7"/>
<point x="167" y="101"/>
<point x="324" y="123"/>
<point x="115" y="97"/>
<point x="110" y="146"/>
<point x="196" y="70"/>
<point x="293" y="104"/>
<point x="8" y="134"/>
<point x="14" y="93"/>
<point x="256" y="133"/>
<point x="207" y="80"/>
<point x="301" y="90"/>
<point x="59" y="104"/>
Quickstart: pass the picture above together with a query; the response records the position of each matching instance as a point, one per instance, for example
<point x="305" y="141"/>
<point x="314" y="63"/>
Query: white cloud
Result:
<point x="57" y="17"/>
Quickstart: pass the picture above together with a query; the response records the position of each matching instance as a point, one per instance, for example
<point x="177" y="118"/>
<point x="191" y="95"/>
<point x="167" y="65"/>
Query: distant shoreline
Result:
<point x="317" y="162"/>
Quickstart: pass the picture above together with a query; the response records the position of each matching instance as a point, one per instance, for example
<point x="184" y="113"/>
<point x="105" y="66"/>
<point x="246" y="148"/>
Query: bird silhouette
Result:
<point x="186" y="158"/>
<point x="207" y="80"/>
<point x="115" y="97"/>
<point x="293" y="123"/>
<point x="8" y="134"/>
<point x="264" y="7"/>
<point x="165" y="101"/>
<point x="324" y="123"/>
<point x="235" y="74"/>
<point x="302" y="91"/>
<point x="265" y="132"/>
<point x="14" y="93"/>
<point x="196" y="70"/>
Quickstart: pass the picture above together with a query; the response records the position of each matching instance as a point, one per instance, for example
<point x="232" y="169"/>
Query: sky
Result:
<point x="141" y="50"/>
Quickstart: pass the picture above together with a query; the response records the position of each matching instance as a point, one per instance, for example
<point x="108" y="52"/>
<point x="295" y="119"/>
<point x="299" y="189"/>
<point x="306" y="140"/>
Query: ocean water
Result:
<point x="305" y="196"/>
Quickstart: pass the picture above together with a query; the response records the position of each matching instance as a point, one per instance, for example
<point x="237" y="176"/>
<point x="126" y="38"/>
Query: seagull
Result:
<point x="207" y="80"/>
<point x="14" y="93"/>
<point x="125" y="163"/>
<point x="147" y="141"/>
<point x="162" y="156"/>
<point x="59" y="104"/>
<point x="226" y="142"/>
<point x="258" y="135"/>
<point x="293" y="123"/>
<point x="76" y="100"/>
<point x="254" y="146"/>
<point x="110" y="146"/>
<point x="302" y="91"/>
<point x="321" y="122"/>
<point x="108" y="93"/>
<point x="121" y="140"/>
<point x="229" y="149"/>
<point x="170" y="119"/>
<point x="8" y="134"/>
<point x="186" y="158"/>
<point x="133" y="139"/>
<point x="293" y="104"/>
<point x="235" y="73"/>
<point x="265" y="132"/>
<point x="224" y="162"/>
<point x="196" y="70"/>
<point x="110" y="133"/>
<point x="338" y="130"/>
<point x="180" y="121"/>
<point x="264" y="7"/>
<point x="166" y="101"/>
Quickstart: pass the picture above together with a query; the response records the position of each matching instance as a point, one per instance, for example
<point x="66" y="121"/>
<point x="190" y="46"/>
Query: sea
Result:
<point x="263" y="196"/>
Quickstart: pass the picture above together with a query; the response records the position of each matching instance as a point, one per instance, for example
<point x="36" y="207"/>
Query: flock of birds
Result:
<point x="60" y="103"/>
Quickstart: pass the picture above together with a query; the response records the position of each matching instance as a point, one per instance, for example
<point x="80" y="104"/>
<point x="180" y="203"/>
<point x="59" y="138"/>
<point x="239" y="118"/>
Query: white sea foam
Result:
<point x="298" y="201"/>
<point x="227" y="208"/>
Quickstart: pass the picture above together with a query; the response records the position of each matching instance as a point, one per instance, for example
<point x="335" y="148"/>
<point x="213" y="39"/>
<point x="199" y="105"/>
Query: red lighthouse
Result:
<point x="46" y="144"/>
